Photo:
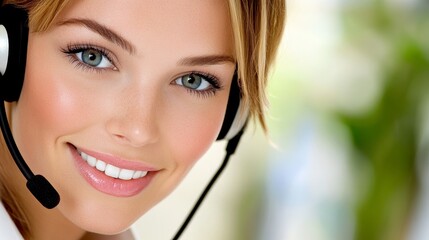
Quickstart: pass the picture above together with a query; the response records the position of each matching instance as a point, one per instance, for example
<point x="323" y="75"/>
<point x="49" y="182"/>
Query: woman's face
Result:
<point x="120" y="99"/>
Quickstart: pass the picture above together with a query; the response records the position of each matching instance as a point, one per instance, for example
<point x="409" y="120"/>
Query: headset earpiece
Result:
<point x="13" y="51"/>
<point x="236" y="112"/>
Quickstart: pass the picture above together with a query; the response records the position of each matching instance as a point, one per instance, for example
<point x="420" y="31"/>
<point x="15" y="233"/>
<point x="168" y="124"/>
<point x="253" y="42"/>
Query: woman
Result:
<point x="121" y="98"/>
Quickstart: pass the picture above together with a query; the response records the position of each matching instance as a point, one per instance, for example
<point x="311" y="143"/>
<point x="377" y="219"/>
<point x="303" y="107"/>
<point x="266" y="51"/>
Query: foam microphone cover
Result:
<point x="44" y="192"/>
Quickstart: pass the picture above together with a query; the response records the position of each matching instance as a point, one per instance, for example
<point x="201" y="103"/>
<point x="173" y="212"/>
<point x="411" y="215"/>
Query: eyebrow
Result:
<point x="114" y="37"/>
<point x="102" y="30"/>
<point x="207" y="60"/>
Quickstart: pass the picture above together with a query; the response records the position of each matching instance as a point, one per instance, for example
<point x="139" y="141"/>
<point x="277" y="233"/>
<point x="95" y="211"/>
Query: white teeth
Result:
<point x="84" y="156"/>
<point x="100" y="165"/>
<point x="139" y="174"/>
<point x="126" y="174"/>
<point x="92" y="161"/>
<point x="110" y="170"/>
<point x="136" y="174"/>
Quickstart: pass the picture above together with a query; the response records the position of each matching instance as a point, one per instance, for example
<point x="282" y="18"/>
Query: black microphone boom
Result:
<point x="230" y="150"/>
<point x="41" y="189"/>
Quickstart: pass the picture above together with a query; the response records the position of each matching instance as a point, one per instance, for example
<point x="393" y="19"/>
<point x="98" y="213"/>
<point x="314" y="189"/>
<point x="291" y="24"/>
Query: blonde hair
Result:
<point x="257" y="29"/>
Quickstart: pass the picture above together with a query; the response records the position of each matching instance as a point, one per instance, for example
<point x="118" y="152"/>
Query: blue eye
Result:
<point x="193" y="81"/>
<point x="89" y="56"/>
<point x="94" y="58"/>
<point x="201" y="84"/>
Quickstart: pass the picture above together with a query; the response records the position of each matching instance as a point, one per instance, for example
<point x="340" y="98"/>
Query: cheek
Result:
<point x="41" y="103"/>
<point x="197" y="131"/>
<point x="45" y="110"/>
<point x="189" y="137"/>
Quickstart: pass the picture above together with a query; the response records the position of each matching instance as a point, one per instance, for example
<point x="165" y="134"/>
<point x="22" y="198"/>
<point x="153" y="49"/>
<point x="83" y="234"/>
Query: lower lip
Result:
<point x="112" y="186"/>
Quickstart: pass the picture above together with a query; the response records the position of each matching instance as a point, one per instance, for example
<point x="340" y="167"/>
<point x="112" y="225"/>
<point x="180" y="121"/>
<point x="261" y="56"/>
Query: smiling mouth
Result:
<point x="111" y="170"/>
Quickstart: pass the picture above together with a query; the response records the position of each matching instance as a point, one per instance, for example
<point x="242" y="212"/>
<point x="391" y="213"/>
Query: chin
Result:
<point x="107" y="228"/>
<point x="105" y="220"/>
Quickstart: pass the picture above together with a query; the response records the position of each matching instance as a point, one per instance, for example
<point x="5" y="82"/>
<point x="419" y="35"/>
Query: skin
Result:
<point x="133" y="109"/>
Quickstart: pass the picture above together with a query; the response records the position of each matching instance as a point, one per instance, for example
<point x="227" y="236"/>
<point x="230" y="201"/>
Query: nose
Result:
<point x="134" y="121"/>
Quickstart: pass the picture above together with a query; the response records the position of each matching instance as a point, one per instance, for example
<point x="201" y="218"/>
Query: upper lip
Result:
<point x="117" y="161"/>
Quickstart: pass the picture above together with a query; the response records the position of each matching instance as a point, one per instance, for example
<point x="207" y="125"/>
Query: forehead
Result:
<point x="178" y="24"/>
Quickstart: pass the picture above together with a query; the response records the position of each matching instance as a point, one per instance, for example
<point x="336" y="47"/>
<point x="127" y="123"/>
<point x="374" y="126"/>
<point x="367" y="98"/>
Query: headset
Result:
<point x="13" y="53"/>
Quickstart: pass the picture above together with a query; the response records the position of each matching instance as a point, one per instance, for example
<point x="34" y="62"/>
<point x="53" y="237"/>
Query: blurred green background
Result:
<point x="346" y="157"/>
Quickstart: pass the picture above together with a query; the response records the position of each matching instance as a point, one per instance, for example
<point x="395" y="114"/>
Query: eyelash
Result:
<point x="72" y="49"/>
<point x="213" y="81"/>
